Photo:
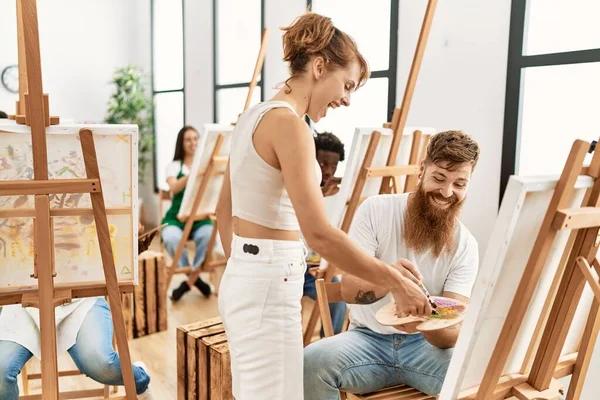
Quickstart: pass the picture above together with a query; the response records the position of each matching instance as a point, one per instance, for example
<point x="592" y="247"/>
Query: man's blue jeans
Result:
<point x="92" y="353"/>
<point x="338" y="310"/>
<point x="362" y="361"/>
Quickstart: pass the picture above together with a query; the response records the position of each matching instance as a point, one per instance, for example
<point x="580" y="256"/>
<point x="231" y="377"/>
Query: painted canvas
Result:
<point x="206" y="144"/>
<point x="523" y="209"/>
<point x="77" y="252"/>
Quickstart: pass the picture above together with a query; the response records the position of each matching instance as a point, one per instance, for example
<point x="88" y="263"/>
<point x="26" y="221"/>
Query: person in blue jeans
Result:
<point x="420" y="234"/>
<point x="330" y="151"/>
<point x="93" y="352"/>
<point x="177" y="177"/>
<point x="84" y="329"/>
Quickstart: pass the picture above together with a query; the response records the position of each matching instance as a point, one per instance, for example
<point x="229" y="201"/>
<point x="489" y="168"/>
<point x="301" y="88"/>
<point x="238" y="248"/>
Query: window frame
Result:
<point x="217" y="86"/>
<point x="159" y="92"/>
<point x="392" y="71"/>
<point x="517" y="63"/>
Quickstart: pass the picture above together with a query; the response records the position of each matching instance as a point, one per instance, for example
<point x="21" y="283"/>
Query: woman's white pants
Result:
<point x="259" y="303"/>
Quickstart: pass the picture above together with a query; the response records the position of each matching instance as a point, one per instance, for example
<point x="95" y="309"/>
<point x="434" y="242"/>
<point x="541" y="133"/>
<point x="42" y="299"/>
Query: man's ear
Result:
<point x="422" y="170"/>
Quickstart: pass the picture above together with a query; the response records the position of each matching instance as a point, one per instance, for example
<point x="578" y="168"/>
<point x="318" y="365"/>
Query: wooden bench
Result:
<point x="145" y="310"/>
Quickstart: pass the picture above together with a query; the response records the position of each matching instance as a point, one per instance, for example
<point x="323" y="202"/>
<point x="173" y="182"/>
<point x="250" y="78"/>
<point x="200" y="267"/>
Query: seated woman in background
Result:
<point x="177" y="177"/>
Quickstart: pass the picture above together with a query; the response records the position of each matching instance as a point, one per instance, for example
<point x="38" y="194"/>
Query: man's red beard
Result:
<point x="427" y="226"/>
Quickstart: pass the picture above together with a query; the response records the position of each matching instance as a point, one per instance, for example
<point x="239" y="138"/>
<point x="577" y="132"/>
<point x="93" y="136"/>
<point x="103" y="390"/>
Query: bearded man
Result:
<point x="420" y="233"/>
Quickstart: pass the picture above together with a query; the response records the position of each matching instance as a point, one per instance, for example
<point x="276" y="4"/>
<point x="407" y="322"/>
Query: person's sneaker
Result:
<point x="146" y="394"/>
<point x="180" y="291"/>
<point x="203" y="287"/>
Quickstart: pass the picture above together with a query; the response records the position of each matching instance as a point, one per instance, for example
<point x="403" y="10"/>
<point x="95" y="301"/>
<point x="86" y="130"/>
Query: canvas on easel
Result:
<point x="200" y="201"/>
<point x="77" y="252"/>
<point x="37" y="190"/>
<point x="531" y="319"/>
<point x="417" y="137"/>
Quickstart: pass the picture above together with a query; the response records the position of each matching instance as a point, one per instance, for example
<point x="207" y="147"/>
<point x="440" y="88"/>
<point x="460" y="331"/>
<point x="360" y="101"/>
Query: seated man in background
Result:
<point x="84" y="328"/>
<point x="421" y="234"/>
<point x="330" y="151"/>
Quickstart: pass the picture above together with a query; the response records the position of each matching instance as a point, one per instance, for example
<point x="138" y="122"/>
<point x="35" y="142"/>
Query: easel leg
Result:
<point x="25" y="379"/>
<point x="110" y="274"/>
<point x="525" y="392"/>
<point x="208" y="257"/>
<point x="46" y="297"/>
<point x="588" y="342"/>
<point x="584" y="356"/>
<point x="360" y="181"/>
<point x="312" y="324"/>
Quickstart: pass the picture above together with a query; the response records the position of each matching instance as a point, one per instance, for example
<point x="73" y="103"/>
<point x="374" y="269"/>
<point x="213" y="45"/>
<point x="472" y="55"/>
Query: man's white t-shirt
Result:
<point x="377" y="228"/>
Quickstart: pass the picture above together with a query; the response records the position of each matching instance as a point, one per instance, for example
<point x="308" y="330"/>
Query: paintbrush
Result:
<point x="431" y="302"/>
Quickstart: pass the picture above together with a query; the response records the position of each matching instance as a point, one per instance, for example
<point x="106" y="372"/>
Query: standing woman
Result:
<point x="177" y="177"/>
<point x="271" y="192"/>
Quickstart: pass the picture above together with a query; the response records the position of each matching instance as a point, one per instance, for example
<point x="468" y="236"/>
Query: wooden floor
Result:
<point x="158" y="351"/>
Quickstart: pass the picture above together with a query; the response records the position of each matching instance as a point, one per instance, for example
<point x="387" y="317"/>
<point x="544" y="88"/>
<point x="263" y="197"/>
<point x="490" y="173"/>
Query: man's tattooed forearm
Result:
<point x="366" y="297"/>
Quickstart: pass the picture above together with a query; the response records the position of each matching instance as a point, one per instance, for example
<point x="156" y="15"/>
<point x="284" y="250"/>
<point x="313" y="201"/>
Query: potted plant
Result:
<point x="129" y="104"/>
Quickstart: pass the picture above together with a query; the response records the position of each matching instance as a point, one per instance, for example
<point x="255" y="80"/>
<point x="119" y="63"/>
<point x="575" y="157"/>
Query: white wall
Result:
<point x="462" y="86"/>
<point x="278" y="14"/>
<point x="82" y="42"/>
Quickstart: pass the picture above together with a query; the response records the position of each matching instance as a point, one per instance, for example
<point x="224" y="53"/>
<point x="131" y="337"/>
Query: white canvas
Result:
<point x="336" y="205"/>
<point x="523" y="209"/>
<point x="77" y="253"/>
<point x="206" y="144"/>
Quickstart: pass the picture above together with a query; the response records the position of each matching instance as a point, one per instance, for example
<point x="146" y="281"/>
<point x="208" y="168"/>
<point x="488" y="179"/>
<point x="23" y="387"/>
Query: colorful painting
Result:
<point x="77" y="253"/>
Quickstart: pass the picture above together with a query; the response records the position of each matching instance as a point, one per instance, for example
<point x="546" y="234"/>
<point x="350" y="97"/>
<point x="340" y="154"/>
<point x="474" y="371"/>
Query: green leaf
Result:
<point x="130" y="104"/>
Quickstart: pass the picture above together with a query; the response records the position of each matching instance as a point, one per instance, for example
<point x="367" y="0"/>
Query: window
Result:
<point x="168" y="82"/>
<point x="238" y="27"/>
<point x="375" y="30"/>
<point x="553" y="85"/>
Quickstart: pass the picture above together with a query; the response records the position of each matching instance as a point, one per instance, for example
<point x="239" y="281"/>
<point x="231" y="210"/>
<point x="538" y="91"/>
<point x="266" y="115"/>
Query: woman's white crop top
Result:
<point x="257" y="191"/>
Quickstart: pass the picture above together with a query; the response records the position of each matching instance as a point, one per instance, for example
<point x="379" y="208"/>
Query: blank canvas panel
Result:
<point x="514" y="234"/>
<point x="206" y="145"/>
<point x="77" y="252"/>
<point x="336" y="206"/>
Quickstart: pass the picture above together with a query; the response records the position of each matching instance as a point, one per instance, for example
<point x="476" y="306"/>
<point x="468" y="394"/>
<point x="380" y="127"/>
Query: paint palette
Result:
<point x="449" y="312"/>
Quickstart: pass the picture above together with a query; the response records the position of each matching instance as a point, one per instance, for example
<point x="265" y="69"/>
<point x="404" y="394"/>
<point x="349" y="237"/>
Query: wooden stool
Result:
<point x="203" y="363"/>
<point x="145" y="310"/>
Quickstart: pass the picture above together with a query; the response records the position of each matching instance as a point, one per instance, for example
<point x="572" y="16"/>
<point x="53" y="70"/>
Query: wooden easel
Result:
<point x="390" y="171"/>
<point x="543" y="364"/>
<point x="209" y="264"/>
<point x="33" y="110"/>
